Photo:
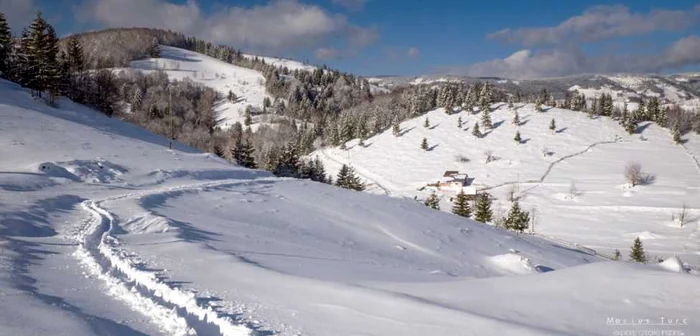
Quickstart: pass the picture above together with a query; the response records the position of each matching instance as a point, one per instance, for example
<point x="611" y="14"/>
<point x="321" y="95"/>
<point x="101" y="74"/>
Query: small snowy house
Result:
<point x="456" y="181"/>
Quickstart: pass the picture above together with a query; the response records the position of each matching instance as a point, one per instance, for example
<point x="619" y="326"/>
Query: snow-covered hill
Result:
<point x="247" y="84"/>
<point x="588" y="155"/>
<point x="104" y="231"/>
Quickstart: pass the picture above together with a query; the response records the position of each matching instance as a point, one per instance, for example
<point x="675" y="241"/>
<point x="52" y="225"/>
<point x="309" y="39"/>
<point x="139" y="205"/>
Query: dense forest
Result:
<point x="315" y="108"/>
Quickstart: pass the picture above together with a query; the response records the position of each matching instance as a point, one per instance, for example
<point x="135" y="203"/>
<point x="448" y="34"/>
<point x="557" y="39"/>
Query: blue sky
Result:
<point x="412" y="37"/>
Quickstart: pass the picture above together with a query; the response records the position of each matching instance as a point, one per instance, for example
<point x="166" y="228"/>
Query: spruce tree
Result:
<point x="517" y="138"/>
<point x="459" y="122"/>
<point x="75" y="55"/>
<point x="483" y="211"/>
<point x="538" y="107"/>
<point x="247" y="118"/>
<point x="552" y="125"/>
<point x="426" y="124"/>
<point x="516" y="118"/>
<point x="637" y="252"/>
<point x="677" y="133"/>
<point x="486" y="119"/>
<point x="517" y="219"/>
<point x="341" y="179"/>
<point x="396" y="130"/>
<point x="631" y="125"/>
<point x="475" y="130"/>
<point x="243" y="154"/>
<point x="461" y="206"/>
<point x="432" y="202"/>
<point x="5" y="46"/>
<point x="424" y="144"/>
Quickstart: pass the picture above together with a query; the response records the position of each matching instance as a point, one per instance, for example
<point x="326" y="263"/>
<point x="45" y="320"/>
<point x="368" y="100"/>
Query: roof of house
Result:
<point x="450" y="173"/>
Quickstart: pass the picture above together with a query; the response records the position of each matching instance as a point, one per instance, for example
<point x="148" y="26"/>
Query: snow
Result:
<point x="247" y="84"/>
<point x="604" y="213"/>
<point x="282" y="62"/>
<point x="119" y="235"/>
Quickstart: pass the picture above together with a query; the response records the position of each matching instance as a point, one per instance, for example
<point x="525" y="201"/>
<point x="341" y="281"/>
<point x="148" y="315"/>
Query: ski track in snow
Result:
<point x="175" y="310"/>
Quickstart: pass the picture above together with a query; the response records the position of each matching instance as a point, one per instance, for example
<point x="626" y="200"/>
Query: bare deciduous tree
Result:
<point x="634" y="174"/>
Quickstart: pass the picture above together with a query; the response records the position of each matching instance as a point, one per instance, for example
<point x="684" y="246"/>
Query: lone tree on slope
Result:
<point x="634" y="174"/>
<point x="517" y="138"/>
<point x="432" y="202"/>
<point x="396" y="130"/>
<point x="483" y="211"/>
<point x="637" y="253"/>
<point x="424" y="144"/>
<point x="517" y="220"/>
<point x="475" y="130"/>
<point x="516" y="118"/>
<point x="426" y="124"/>
<point x="461" y="206"/>
<point x="552" y="125"/>
<point x="347" y="179"/>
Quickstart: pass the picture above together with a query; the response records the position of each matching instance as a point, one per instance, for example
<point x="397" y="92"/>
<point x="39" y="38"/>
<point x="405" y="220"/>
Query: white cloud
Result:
<point x="413" y="52"/>
<point x="601" y="23"/>
<point x="568" y="61"/>
<point x="275" y="26"/>
<point x="18" y="13"/>
<point x="325" y="54"/>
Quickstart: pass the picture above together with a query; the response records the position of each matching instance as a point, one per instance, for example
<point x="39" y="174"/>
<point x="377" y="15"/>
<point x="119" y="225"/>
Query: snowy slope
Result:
<point x="105" y="231"/>
<point x="284" y="63"/>
<point x="606" y="214"/>
<point x="247" y="84"/>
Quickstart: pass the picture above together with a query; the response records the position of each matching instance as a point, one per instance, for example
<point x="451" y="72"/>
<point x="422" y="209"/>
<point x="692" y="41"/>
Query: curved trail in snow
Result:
<point x="175" y="310"/>
<point x="550" y="167"/>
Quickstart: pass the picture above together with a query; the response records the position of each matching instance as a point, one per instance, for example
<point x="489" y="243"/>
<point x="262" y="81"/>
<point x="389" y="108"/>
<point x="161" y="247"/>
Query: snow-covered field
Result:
<point x="604" y="213"/>
<point x="104" y="231"/>
<point x="247" y="84"/>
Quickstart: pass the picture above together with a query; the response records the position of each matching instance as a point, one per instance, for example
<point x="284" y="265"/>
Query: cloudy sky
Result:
<point x="517" y="39"/>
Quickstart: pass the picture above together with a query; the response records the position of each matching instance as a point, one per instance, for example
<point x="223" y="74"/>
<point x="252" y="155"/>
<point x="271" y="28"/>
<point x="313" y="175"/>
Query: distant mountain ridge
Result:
<point x="680" y="89"/>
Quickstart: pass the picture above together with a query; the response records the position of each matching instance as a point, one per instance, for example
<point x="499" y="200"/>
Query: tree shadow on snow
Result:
<point x="497" y="124"/>
<point x="433" y="127"/>
<point x="431" y="148"/>
<point x="642" y="127"/>
<point x="406" y="130"/>
<point x="35" y="221"/>
<point x="561" y="130"/>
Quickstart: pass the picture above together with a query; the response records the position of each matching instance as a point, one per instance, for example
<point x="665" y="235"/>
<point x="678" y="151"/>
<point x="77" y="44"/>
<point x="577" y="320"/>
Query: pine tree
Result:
<point x="5" y="46"/>
<point x="243" y="154"/>
<point x="517" y="138"/>
<point x="347" y="179"/>
<point x="552" y="125"/>
<point x="483" y="211"/>
<point x="486" y="119"/>
<point x="461" y="206"/>
<point x="424" y="144"/>
<point x="617" y="255"/>
<point x="432" y="202"/>
<point x="75" y="55"/>
<point x="516" y="118"/>
<point x="637" y="253"/>
<point x="341" y="180"/>
<point x="396" y="130"/>
<point x="677" y="133"/>
<point x="475" y="130"/>
<point x="631" y="125"/>
<point x="426" y="124"/>
<point x="459" y="122"/>
<point x="247" y="118"/>
<point x="538" y="107"/>
<point x="517" y="219"/>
